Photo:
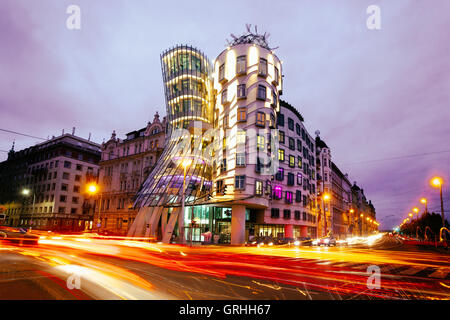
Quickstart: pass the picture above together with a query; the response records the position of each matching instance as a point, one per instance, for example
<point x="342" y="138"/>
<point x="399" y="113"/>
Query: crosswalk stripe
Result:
<point x="440" y="273"/>
<point x="413" y="270"/>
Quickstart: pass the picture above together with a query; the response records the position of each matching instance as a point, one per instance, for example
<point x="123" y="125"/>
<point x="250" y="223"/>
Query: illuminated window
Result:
<point x="262" y="92"/>
<point x="258" y="187"/>
<point x="299" y="161"/>
<point x="281" y="154"/>
<point x="261" y="119"/>
<point x="262" y="67"/>
<point x="291" y="161"/>
<point x="241" y="64"/>
<point x="241" y="136"/>
<point x="242" y="114"/>
<point x="241" y="91"/>
<point x="260" y="142"/>
<point x="277" y="192"/>
<point x="274" y="99"/>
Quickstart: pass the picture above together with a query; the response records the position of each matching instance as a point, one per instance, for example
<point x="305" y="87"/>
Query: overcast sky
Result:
<point x="375" y="95"/>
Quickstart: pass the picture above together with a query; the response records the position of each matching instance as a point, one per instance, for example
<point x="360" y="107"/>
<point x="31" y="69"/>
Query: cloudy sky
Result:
<point x="380" y="98"/>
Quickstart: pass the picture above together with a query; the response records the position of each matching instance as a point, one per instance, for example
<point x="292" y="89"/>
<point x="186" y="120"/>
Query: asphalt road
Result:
<point x="67" y="267"/>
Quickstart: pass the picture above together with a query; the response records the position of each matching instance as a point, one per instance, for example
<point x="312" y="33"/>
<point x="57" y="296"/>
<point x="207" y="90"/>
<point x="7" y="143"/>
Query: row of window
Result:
<point x="275" y="214"/>
<point x="242" y="94"/>
<point x="298" y="129"/>
<point x="241" y="68"/>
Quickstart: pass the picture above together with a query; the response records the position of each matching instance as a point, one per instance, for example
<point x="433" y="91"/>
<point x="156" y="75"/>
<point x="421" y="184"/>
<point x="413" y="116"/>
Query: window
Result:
<point x="241" y="64"/>
<point x="77" y="178"/>
<point x="64" y="187"/>
<point x="286" y="214"/>
<point x="67" y="164"/>
<point x="274" y="99"/>
<point x="304" y="216"/>
<point x="280" y="120"/>
<point x="62" y="198"/>
<point x="281" y="136"/>
<point x="224" y="96"/>
<point x="241" y="135"/>
<point x="239" y="182"/>
<point x="299" y="179"/>
<point x="274" y="213"/>
<point x="277" y="192"/>
<point x="56" y="163"/>
<point x="74" y="199"/>
<point x="299" y="161"/>
<point x="281" y="154"/>
<point x="297" y="215"/>
<point x="280" y="174"/>
<point x="76" y="189"/>
<point x="262" y="92"/>
<point x="241" y="91"/>
<point x="290" y="179"/>
<point x="260" y="142"/>
<point x="298" y="196"/>
<point x="222" y="72"/>
<point x="66" y="176"/>
<point x="291" y="124"/>
<point x="276" y="74"/>
<point x="240" y="159"/>
<point x="261" y="119"/>
<point x="262" y="67"/>
<point x="60" y="210"/>
<point x="297" y="129"/>
<point x="292" y="143"/>
<point x="258" y="187"/>
<point x="292" y="161"/>
<point x="299" y="145"/>
<point x="242" y="114"/>
<point x="73" y="211"/>
<point x="225" y="121"/>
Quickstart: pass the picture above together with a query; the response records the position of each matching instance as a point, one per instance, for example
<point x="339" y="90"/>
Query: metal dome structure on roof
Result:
<point x="250" y="37"/>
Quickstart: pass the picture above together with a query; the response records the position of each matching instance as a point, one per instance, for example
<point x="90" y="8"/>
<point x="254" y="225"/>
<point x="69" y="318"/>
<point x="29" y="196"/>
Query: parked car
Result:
<point x="18" y="236"/>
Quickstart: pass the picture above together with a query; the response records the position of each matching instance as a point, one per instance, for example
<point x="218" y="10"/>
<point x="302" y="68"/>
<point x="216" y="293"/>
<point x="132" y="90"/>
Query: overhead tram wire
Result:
<point x="22" y="134"/>
<point x="397" y="158"/>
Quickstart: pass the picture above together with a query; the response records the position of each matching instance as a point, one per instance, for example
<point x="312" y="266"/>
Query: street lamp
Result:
<point x="425" y="202"/>
<point x="437" y="183"/>
<point x="410" y="215"/>
<point x="92" y="190"/>
<point x="26" y="192"/>
<point x="416" y="210"/>
<point x="326" y="197"/>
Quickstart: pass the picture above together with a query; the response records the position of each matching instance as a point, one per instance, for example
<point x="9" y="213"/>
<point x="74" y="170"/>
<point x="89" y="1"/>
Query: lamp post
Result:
<point x="425" y="202"/>
<point x="326" y="198"/>
<point x="26" y="192"/>
<point x="437" y="183"/>
<point x="416" y="210"/>
<point x="185" y="163"/>
<point x="93" y="189"/>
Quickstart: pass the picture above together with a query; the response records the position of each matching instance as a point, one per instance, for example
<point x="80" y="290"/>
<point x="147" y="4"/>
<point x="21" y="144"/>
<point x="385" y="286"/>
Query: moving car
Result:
<point x="325" y="241"/>
<point x="18" y="236"/>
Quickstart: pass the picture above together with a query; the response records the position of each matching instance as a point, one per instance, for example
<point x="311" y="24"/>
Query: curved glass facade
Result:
<point x="186" y="74"/>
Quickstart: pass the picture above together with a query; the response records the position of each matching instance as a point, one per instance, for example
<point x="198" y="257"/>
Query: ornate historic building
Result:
<point x="124" y="166"/>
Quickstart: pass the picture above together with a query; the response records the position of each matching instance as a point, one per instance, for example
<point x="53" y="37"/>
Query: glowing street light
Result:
<point x="425" y="202"/>
<point x="27" y="192"/>
<point x="410" y="214"/>
<point x="437" y="182"/>
<point x="92" y="190"/>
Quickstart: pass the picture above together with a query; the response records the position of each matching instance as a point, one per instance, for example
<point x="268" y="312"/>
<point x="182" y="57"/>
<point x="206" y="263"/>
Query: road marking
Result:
<point x="413" y="270"/>
<point x="440" y="273"/>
